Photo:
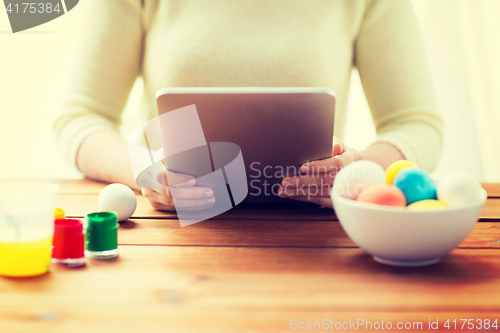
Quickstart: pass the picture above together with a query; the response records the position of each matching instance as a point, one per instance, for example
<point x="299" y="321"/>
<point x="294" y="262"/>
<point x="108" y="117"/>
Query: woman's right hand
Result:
<point x="188" y="197"/>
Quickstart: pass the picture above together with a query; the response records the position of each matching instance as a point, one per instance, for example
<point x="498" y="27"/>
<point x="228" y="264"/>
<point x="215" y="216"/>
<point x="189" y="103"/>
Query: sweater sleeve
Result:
<point x="106" y="67"/>
<point x="396" y="80"/>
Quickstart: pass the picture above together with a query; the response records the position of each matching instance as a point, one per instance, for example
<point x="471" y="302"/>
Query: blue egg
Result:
<point x="416" y="184"/>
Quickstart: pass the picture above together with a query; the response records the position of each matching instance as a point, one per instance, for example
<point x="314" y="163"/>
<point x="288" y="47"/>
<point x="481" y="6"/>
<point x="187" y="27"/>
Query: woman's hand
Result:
<point x="316" y="181"/>
<point x="180" y="194"/>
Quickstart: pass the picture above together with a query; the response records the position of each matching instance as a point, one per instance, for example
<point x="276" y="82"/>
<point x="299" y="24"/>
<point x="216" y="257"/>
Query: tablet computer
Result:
<point x="276" y="129"/>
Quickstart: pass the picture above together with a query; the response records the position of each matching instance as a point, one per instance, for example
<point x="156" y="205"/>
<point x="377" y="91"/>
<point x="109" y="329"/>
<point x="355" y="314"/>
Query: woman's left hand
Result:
<point x="316" y="181"/>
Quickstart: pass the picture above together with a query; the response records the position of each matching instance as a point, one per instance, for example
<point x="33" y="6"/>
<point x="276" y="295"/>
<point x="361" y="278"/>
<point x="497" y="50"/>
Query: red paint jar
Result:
<point x="68" y="243"/>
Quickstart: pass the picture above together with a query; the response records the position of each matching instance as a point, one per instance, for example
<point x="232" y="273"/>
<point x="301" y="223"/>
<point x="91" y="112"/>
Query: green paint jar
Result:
<point x="101" y="236"/>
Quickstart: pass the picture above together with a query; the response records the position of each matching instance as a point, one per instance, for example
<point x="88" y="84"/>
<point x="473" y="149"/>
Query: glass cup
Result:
<point x="26" y="227"/>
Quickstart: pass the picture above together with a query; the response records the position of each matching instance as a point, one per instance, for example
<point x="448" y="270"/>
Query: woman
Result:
<point x="250" y="43"/>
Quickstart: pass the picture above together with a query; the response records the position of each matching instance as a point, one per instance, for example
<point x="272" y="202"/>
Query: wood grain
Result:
<point x="266" y="233"/>
<point x="491" y="211"/>
<point x="79" y="205"/>
<point x="158" y="319"/>
<point x="250" y="270"/>
<point x="259" y="279"/>
<point x="257" y="233"/>
<point x="493" y="189"/>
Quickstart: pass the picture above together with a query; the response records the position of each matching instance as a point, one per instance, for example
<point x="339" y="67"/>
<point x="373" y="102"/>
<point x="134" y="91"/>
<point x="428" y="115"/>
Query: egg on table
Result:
<point x="117" y="198"/>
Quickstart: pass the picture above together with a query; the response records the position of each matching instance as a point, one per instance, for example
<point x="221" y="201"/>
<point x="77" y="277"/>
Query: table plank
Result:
<point x="251" y="270"/>
<point x="493" y="189"/>
<point x="484" y="235"/>
<point x="79" y="205"/>
<point x="491" y="211"/>
<point x="257" y="233"/>
<point x="157" y="320"/>
<point x="261" y="279"/>
<point x="266" y="233"/>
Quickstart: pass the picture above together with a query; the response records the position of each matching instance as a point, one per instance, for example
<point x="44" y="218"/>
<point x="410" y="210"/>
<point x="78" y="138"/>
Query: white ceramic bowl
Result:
<point x="398" y="237"/>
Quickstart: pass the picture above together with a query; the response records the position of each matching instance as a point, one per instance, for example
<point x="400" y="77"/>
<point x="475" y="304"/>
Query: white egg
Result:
<point x="459" y="188"/>
<point x="352" y="179"/>
<point x="117" y="198"/>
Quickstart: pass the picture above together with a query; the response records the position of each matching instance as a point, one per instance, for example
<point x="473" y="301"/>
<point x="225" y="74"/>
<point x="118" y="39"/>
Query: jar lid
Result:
<point x="69" y="225"/>
<point x="102" y="220"/>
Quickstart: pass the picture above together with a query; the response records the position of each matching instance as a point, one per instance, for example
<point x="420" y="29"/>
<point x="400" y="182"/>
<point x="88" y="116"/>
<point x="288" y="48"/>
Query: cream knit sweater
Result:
<point x="257" y="43"/>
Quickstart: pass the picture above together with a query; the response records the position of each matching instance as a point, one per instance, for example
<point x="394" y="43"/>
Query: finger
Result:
<point x="168" y="203"/>
<point x="187" y="204"/>
<point x="322" y="201"/>
<point x="332" y="164"/>
<point x="187" y="192"/>
<point x="156" y="197"/>
<point x="194" y="192"/>
<point x="308" y="180"/>
<point x="146" y="192"/>
<point x="318" y="191"/>
<point x="172" y="178"/>
<point x="338" y="146"/>
<point x="348" y="156"/>
<point x="159" y="206"/>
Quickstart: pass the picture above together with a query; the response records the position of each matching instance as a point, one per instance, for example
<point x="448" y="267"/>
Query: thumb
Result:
<point x="338" y="146"/>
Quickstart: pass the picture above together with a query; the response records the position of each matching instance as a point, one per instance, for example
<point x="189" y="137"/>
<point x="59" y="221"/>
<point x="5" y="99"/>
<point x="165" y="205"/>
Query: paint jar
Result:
<point x="101" y="241"/>
<point x="69" y="243"/>
<point x="26" y="227"/>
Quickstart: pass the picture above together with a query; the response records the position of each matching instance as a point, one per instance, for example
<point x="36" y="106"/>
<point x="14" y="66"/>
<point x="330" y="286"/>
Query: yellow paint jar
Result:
<point x="26" y="228"/>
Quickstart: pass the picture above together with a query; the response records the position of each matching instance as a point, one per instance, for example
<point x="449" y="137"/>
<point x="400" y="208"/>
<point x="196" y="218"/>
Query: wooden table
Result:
<point x="251" y="270"/>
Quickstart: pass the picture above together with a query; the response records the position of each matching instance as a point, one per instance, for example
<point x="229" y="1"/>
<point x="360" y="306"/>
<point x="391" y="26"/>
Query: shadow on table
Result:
<point x="128" y="224"/>
<point x="295" y="211"/>
<point x="452" y="267"/>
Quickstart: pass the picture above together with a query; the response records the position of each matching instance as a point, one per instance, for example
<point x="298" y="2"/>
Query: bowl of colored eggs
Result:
<point x="403" y="217"/>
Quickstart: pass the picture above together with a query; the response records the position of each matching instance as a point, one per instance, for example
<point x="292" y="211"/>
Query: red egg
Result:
<point x="383" y="194"/>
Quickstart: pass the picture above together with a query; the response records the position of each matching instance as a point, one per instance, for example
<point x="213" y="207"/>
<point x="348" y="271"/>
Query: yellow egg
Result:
<point x="427" y="205"/>
<point x="394" y="168"/>
<point x="59" y="214"/>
